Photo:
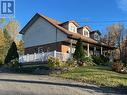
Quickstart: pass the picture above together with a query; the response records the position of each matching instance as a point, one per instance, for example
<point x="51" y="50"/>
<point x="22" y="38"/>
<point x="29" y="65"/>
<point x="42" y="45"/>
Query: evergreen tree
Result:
<point x="79" y="53"/>
<point x="12" y="53"/>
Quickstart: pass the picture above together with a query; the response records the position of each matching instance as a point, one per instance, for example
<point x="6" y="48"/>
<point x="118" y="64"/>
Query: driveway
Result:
<point x="23" y="84"/>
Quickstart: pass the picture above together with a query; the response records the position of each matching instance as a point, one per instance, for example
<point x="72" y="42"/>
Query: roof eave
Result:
<point x="34" y="18"/>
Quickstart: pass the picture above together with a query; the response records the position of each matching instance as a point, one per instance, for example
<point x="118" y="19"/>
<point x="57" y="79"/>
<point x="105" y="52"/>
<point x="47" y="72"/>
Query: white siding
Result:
<point x="42" y="32"/>
<point x="72" y="25"/>
<point x="85" y="30"/>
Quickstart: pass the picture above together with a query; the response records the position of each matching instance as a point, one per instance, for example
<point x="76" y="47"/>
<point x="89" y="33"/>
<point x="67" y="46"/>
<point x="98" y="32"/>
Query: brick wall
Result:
<point x="44" y="48"/>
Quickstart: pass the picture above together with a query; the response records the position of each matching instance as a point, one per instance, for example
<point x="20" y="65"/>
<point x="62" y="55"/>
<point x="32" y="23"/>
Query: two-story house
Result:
<point x="42" y="34"/>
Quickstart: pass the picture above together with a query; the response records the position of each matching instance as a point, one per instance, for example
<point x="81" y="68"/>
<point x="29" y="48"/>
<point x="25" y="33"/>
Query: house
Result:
<point x="43" y="34"/>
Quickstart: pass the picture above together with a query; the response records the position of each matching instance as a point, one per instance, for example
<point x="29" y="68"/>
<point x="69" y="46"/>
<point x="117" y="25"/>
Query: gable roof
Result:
<point x="56" y="24"/>
<point x="71" y="21"/>
<point x="87" y="27"/>
<point x="96" y="31"/>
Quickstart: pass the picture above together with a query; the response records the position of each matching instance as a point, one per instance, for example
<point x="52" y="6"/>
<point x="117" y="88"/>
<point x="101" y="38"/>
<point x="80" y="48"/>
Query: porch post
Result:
<point x="94" y="50"/>
<point x="71" y="46"/>
<point x="88" y="50"/>
<point x="54" y="53"/>
<point x="101" y="50"/>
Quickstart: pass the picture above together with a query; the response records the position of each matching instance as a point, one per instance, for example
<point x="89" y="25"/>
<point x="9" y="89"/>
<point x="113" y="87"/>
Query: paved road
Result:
<point x="22" y="84"/>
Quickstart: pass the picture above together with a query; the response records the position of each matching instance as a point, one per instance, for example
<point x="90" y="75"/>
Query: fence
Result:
<point x="41" y="57"/>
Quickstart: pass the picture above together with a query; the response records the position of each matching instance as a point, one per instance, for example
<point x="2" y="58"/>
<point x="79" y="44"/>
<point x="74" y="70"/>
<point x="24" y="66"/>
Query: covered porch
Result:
<point x="91" y="47"/>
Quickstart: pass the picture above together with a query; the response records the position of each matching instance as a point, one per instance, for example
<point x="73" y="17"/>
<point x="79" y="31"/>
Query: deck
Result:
<point x="43" y="57"/>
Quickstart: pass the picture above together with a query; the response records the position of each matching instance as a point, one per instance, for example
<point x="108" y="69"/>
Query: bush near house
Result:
<point x="57" y="66"/>
<point x="100" y="60"/>
<point x="117" y="67"/>
<point x="54" y="63"/>
<point x="71" y="62"/>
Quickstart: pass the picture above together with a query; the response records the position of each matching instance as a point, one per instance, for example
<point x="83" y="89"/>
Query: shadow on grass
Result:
<point x="27" y="70"/>
<point x="103" y="68"/>
<point x="107" y="90"/>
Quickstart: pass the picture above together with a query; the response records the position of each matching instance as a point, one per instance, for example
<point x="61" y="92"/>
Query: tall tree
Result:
<point x="2" y="45"/>
<point x="10" y="34"/>
<point x="13" y="29"/>
<point x="8" y="42"/>
<point x="115" y="36"/>
<point x="2" y="20"/>
<point x="20" y="47"/>
<point x="104" y="39"/>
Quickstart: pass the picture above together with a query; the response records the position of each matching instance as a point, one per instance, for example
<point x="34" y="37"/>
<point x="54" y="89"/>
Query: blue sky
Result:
<point x="86" y="12"/>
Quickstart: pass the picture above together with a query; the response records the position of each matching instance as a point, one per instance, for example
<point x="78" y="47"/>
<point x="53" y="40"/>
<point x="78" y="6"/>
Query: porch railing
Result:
<point x="42" y="57"/>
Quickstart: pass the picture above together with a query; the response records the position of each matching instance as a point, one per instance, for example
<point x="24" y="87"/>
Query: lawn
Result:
<point x="99" y="75"/>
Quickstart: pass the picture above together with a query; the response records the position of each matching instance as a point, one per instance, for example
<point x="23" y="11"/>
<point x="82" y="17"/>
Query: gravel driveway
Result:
<point x="22" y="84"/>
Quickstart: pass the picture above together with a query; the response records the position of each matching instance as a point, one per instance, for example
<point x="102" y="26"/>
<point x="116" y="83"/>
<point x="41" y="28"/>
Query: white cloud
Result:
<point x="122" y="4"/>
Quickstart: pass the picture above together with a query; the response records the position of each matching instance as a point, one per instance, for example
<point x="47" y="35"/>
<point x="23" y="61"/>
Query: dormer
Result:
<point x="85" y="31"/>
<point x="96" y="35"/>
<point x="70" y="25"/>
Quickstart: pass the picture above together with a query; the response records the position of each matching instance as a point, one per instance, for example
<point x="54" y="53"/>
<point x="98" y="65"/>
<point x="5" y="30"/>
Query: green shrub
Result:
<point x="117" y="67"/>
<point x="104" y="59"/>
<point x="71" y="63"/>
<point x="54" y="63"/>
<point x="1" y="62"/>
<point x="97" y="60"/>
<point x="14" y="63"/>
<point x="100" y="60"/>
<point x="89" y="61"/>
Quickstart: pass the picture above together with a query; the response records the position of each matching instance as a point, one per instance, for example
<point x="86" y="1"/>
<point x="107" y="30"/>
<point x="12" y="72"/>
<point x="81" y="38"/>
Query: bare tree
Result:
<point x="115" y="36"/>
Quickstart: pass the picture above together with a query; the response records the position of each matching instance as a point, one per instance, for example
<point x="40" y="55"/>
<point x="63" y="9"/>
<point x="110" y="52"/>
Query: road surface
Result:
<point x="23" y="84"/>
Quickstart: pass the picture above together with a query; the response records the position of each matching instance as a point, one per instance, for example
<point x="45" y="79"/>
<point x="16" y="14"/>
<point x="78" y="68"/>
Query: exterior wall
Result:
<point x="45" y="48"/>
<point x="72" y="25"/>
<point x="65" y="48"/>
<point x="82" y="32"/>
<point x="85" y="30"/>
<point x="96" y="36"/>
<point x="93" y="36"/>
<point x="66" y="26"/>
<point x="42" y="32"/>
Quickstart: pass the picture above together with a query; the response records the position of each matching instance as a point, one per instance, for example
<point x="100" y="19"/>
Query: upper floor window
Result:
<point x="96" y="37"/>
<point x="86" y="33"/>
<point x="72" y="28"/>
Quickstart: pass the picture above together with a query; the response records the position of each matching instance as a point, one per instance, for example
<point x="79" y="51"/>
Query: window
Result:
<point x="86" y="33"/>
<point x="72" y="28"/>
<point x="96" y="37"/>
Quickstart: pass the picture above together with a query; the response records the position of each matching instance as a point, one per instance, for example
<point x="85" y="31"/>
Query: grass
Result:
<point x="99" y="75"/>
